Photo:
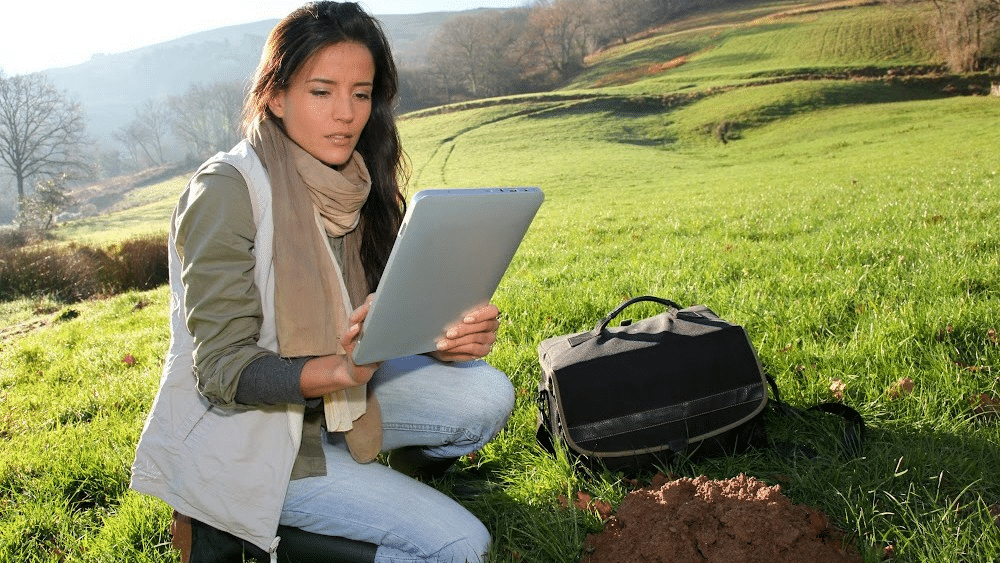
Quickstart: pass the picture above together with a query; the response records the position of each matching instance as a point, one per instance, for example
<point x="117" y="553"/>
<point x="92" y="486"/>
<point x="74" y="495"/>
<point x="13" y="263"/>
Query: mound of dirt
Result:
<point x="701" y="520"/>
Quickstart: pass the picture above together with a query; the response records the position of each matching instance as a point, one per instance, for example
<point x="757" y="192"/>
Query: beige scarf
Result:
<point x="312" y="301"/>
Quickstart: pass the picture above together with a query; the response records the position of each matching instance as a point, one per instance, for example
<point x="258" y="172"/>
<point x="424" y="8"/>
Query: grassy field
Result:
<point x="849" y="225"/>
<point x="757" y="42"/>
<point x="143" y="211"/>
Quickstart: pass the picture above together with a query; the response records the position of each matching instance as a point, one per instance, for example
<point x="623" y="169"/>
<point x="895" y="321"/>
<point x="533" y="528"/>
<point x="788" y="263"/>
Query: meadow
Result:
<point x="849" y="225"/>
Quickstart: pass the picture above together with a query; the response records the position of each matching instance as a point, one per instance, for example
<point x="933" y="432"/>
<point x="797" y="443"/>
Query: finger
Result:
<point x="361" y="312"/>
<point x="351" y="334"/>
<point x="477" y="337"/>
<point x="486" y="338"/>
<point x="463" y="354"/>
<point x="486" y="313"/>
<point x="483" y="319"/>
<point x="348" y="344"/>
<point x="463" y="330"/>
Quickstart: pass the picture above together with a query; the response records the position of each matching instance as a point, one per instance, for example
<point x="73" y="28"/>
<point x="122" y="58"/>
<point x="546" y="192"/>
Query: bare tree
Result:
<point x="506" y="56"/>
<point x="969" y="31"/>
<point x="108" y="160"/>
<point x="40" y="130"/>
<point x="143" y="137"/>
<point x="561" y="35"/>
<point x="154" y="119"/>
<point x="207" y="118"/>
<point x="457" y="46"/>
<point x="130" y="137"/>
<point x="481" y="53"/>
<point x="443" y="73"/>
<point x="618" y="19"/>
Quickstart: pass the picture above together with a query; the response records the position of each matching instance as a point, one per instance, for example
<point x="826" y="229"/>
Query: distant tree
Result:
<point x="422" y="87"/>
<point x="50" y="198"/>
<point x="130" y="137"/>
<point x="143" y="137"/>
<point x="616" y="20"/>
<point x="560" y="36"/>
<point x="443" y="74"/>
<point x="479" y="53"/>
<point x="8" y="202"/>
<point x="109" y="161"/>
<point x="207" y="118"/>
<point x="40" y="131"/>
<point x="457" y="47"/>
<point x="969" y="32"/>
<point x="153" y="117"/>
<point x="507" y="58"/>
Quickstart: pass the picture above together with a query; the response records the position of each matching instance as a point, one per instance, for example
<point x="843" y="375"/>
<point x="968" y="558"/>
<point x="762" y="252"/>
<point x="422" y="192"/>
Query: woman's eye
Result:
<point x="320" y="93"/>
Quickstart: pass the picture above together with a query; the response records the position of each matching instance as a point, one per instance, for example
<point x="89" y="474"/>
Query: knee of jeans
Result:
<point x="495" y="403"/>
<point x="473" y="548"/>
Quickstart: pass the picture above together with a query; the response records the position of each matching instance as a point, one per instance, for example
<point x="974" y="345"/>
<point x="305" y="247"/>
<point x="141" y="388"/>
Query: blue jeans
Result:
<point x="452" y="410"/>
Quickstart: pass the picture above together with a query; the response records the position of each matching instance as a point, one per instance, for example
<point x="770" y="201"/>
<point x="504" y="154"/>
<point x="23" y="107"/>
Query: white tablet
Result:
<point x="450" y="254"/>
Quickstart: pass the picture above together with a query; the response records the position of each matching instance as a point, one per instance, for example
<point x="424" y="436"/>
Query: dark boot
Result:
<point x="200" y="543"/>
<point x="211" y="545"/>
<point x="180" y="535"/>
<point x="414" y="462"/>
<point x="300" y="546"/>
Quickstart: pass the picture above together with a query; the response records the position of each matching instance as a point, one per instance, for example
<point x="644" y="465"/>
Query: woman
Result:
<point x="261" y="418"/>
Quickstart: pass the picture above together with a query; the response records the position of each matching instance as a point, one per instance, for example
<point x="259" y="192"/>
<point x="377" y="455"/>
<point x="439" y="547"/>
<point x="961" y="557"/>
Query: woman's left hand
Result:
<point x="472" y="338"/>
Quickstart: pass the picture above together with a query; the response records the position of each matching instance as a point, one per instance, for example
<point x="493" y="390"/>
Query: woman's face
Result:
<point x="328" y="102"/>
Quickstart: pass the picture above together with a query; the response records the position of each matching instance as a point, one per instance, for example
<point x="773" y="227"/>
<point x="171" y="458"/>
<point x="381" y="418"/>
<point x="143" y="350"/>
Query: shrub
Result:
<point x="11" y="237"/>
<point x="139" y="263"/>
<point x="73" y="272"/>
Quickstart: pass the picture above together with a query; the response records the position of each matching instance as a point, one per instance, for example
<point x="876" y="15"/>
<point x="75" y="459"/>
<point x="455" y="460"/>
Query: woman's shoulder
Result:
<point x="238" y="164"/>
<point x="228" y="184"/>
<point x="216" y="188"/>
<point x="217" y="177"/>
<point x="219" y="172"/>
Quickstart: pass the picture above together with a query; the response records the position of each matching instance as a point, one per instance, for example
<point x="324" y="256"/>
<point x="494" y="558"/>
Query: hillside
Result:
<point x="748" y="65"/>
<point x="709" y="76"/>
<point x="792" y="40"/>
<point x="110" y="86"/>
<point x="829" y="53"/>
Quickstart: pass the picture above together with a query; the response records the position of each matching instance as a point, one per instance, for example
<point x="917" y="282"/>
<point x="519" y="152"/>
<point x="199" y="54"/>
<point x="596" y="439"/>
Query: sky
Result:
<point x="58" y="33"/>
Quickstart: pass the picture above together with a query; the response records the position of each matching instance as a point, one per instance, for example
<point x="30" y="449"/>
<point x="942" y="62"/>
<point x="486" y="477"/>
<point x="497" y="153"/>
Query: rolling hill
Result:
<point x="111" y="86"/>
<point x="707" y="78"/>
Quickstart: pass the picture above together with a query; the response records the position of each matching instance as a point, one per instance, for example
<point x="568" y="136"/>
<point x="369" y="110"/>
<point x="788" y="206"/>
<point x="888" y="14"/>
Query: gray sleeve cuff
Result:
<point x="272" y="380"/>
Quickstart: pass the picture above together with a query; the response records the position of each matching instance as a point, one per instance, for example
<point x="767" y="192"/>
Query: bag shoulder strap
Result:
<point x="854" y="433"/>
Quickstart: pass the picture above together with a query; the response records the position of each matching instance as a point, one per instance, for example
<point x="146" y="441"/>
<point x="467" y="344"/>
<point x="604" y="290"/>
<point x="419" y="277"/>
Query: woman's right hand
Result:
<point x="326" y="374"/>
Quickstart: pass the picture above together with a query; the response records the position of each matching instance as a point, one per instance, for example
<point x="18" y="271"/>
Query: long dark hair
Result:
<point x="292" y="42"/>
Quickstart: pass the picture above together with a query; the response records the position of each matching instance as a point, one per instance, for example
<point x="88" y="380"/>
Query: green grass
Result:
<point x="142" y="212"/>
<point x="70" y="416"/>
<point x="849" y="225"/>
<point x="757" y="46"/>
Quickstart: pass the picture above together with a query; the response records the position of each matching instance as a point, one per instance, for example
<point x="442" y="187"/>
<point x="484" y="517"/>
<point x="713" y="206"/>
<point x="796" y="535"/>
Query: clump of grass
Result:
<point x="74" y="272"/>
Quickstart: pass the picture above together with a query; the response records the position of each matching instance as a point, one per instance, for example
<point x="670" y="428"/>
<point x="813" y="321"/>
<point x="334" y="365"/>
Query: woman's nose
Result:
<point x="343" y="109"/>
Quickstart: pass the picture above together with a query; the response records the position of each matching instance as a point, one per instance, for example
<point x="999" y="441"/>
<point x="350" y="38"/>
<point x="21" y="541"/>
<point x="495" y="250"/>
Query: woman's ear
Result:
<point x="277" y="105"/>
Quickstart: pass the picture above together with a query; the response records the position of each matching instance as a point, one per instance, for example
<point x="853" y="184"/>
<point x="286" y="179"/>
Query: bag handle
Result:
<point x="602" y="325"/>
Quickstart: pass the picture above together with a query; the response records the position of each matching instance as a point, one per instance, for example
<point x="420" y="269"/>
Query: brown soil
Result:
<point x="700" y="520"/>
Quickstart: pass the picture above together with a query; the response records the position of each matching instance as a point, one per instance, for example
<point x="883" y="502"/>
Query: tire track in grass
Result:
<point x="448" y="144"/>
